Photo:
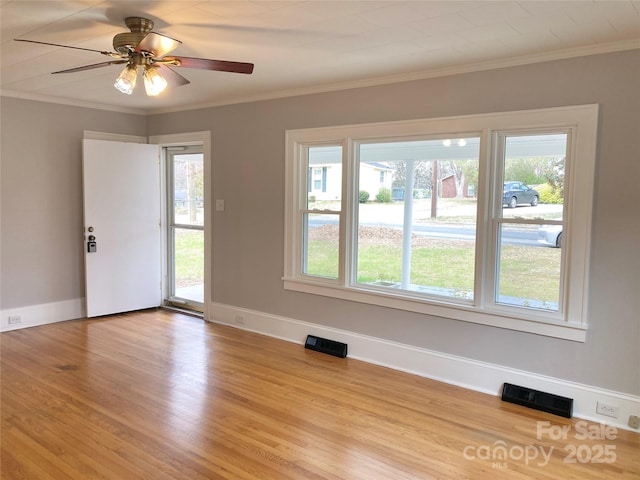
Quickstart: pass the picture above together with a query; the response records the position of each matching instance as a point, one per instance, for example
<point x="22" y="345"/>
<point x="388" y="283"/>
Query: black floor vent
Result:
<point x="323" y="345"/>
<point x="546" y="402"/>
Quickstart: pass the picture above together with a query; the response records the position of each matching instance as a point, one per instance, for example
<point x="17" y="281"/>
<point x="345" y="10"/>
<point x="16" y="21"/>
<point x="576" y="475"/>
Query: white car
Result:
<point x="550" y="235"/>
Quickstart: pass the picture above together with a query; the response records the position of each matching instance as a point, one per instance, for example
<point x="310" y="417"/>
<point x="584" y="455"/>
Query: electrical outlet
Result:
<point x="239" y="319"/>
<point x="13" y="319"/>
<point x="607" y="410"/>
<point x="634" y="421"/>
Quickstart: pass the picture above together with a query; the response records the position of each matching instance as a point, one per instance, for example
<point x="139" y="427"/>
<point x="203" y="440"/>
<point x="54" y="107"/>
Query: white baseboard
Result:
<point x="464" y="372"/>
<point x="44" y="314"/>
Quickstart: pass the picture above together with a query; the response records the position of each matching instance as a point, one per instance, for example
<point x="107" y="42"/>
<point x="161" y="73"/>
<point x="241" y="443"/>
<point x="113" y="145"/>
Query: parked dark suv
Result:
<point x="517" y="193"/>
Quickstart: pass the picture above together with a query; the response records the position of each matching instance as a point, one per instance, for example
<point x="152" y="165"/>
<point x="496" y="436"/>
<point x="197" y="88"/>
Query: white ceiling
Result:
<point x="297" y="46"/>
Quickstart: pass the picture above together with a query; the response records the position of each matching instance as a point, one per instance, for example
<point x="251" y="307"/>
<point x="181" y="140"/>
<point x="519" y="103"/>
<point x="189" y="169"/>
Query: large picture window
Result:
<point x="410" y="237"/>
<point x="482" y="218"/>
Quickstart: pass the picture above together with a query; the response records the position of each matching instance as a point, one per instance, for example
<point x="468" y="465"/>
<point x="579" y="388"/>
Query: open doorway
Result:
<point x="185" y="226"/>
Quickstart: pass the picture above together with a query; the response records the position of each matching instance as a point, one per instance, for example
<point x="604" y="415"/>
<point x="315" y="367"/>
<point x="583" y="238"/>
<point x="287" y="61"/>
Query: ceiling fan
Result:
<point x="140" y="47"/>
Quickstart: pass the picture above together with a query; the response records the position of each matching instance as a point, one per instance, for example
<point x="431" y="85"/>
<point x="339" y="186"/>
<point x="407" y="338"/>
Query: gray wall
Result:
<point x="248" y="172"/>
<point x="41" y="228"/>
<point x="41" y="237"/>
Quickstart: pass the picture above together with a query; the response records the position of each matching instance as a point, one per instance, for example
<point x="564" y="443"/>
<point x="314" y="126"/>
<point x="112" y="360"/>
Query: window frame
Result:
<point x="497" y="217"/>
<point x="571" y="321"/>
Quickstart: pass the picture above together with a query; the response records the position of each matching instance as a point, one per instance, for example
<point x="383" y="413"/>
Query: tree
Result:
<point x="421" y="175"/>
<point x="554" y="175"/>
<point x="189" y="178"/>
<point x="527" y="170"/>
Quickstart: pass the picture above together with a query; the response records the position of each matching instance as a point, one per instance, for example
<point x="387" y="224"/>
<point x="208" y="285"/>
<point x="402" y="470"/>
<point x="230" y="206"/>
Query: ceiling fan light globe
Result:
<point x="154" y="83"/>
<point x="126" y="82"/>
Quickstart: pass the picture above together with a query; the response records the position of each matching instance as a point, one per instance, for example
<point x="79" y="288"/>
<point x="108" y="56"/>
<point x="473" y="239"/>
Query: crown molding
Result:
<point x="506" y="62"/>
<point x="71" y="102"/>
<point x="429" y="73"/>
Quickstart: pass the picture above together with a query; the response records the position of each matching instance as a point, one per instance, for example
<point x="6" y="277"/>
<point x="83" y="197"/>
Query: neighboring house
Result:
<point x="374" y="176"/>
<point x="325" y="181"/>
<point x="448" y="186"/>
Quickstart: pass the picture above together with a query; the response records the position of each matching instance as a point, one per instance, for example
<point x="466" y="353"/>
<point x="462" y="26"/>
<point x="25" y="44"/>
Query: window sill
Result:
<point x="530" y="324"/>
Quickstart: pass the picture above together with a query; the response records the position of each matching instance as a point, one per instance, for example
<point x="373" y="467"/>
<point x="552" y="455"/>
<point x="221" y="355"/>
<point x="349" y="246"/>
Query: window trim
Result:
<point x="582" y="120"/>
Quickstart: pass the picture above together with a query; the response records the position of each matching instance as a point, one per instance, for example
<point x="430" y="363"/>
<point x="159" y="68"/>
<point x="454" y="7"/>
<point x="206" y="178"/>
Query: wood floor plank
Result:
<point x="160" y="395"/>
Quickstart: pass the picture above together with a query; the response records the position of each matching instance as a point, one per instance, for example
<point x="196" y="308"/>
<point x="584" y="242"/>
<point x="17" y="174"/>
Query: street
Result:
<point x="525" y="236"/>
<point x="456" y="219"/>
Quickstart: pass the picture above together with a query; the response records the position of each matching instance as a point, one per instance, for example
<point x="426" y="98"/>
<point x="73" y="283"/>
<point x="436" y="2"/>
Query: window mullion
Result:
<point x="407" y="225"/>
<point x="349" y="224"/>
<point x="484" y="232"/>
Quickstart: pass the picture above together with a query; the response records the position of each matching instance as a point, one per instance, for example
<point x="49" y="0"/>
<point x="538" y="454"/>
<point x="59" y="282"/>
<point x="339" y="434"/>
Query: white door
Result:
<point x="122" y="216"/>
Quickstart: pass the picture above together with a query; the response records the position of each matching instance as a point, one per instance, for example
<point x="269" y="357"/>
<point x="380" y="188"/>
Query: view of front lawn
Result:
<point x="527" y="272"/>
<point x="189" y="261"/>
<point x="442" y="250"/>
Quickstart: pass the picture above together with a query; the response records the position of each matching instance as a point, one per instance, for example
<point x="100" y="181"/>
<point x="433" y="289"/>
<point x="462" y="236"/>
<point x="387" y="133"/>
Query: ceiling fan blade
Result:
<point x="90" y="67"/>
<point x="172" y="77"/>
<point x="158" y="45"/>
<point x="109" y="54"/>
<point x="206" y="64"/>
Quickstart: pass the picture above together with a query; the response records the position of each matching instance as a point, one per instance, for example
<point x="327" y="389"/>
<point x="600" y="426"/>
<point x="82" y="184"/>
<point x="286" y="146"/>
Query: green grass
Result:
<point x="189" y="257"/>
<point x="323" y="259"/>
<point x="443" y="267"/>
<point x="529" y="273"/>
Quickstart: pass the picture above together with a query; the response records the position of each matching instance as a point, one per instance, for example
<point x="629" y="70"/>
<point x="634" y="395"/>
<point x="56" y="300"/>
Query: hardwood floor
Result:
<point x="160" y="395"/>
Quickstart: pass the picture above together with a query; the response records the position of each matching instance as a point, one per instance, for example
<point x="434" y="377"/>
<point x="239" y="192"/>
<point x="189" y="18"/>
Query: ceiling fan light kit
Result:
<point x="126" y="82"/>
<point x="154" y="83"/>
<point x="140" y="47"/>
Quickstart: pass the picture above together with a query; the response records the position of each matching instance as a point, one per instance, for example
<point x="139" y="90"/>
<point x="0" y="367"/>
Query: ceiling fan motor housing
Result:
<point x="124" y="43"/>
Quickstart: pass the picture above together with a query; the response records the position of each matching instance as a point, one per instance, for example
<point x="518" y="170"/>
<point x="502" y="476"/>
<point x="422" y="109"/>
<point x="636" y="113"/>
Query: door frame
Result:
<point x="179" y="139"/>
<point x="173" y="226"/>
